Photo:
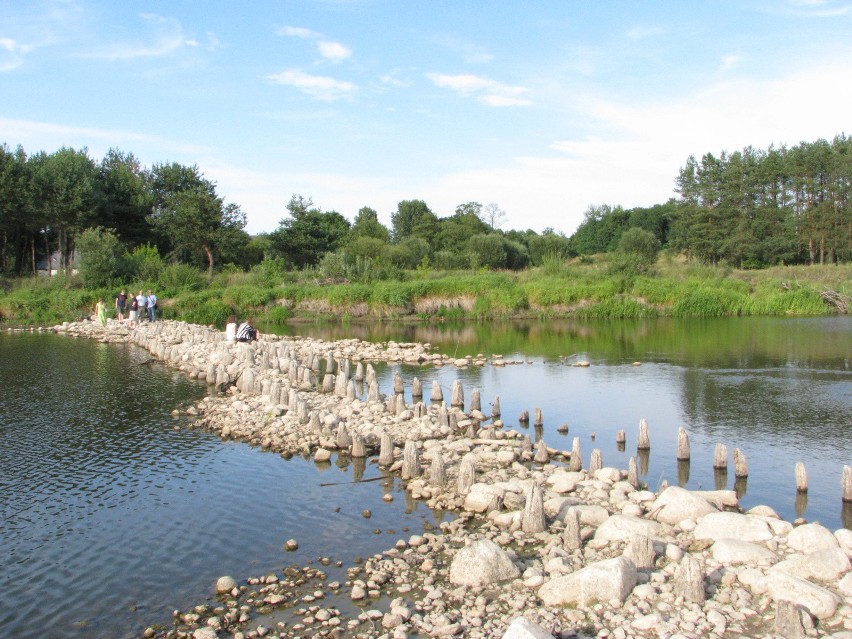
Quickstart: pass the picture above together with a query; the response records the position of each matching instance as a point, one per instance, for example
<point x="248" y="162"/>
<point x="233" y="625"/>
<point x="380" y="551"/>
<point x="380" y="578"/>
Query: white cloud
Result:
<point x="328" y="49"/>
<point x="333" y="51"/>
<point x="485" y="90"/>
<point x="11" y="54"/>
<point x="165" y="35"/>
<point x="317" y="86"/>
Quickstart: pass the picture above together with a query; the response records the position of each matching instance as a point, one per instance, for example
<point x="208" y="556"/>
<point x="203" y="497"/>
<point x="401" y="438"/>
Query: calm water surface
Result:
<point x="112" y="514"/>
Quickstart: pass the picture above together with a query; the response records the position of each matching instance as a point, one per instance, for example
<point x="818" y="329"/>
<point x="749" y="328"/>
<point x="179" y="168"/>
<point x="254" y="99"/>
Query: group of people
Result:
<point x="245" y="332"/>
<point x="139" y="307"/>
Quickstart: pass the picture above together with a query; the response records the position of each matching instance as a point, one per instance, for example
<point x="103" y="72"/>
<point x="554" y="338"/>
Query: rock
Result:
<point x="727" y="525"/>
<point x="563" y="481"/>
<point x="483" y="497"/>
<point x="357" y="593"/>
<point x="845" y="585"/>
<point x="844" y="538"/>
<point x="821" y="603"/>
<point x="592" y="514"/>
<point x="623" y="527"/>
<point x="676" y="504"/>
<point x="204" y="633"/>
<point x="225" y="584"/>
<point x="291" y="545"/>
<point x="602" y="581"/>
<point x="811" y="537"/>
<point x="482" y="563"/>
<point x="522" y="628"/>
<point x="734" y="551"/>
<point x="322" y="455"/>
<point x="788" y="620"/>
<point x="828" y="564"/>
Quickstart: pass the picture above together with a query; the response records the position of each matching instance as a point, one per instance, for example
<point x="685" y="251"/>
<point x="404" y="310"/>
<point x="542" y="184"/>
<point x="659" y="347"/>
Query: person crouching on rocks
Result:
<point x="231" y="329"/>
<point x="246" y="332"/>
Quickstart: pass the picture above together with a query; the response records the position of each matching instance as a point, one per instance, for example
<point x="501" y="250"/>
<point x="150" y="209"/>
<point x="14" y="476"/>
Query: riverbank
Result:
<point x="532" y="534"/>
<point x="585" y="291"/>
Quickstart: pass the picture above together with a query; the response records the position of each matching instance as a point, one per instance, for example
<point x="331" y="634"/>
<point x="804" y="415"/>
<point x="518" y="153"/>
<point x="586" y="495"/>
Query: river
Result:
<point x="113" y="512"/>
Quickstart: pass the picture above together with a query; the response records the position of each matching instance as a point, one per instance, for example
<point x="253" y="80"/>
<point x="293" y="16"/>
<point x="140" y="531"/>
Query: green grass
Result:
<point x="584" y="290"/>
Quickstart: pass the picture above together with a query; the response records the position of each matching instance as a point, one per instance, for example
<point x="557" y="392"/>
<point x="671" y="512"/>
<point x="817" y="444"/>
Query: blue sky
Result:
<point x="543" y="108"/>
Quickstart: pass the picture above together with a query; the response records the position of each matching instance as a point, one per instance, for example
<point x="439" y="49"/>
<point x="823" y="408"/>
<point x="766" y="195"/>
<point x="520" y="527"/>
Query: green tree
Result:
<point x="367" y="225"/>
<point x="19" y="226"/>
<point x="405" y="218"/>
<point x="309" y="233"/>
<point x="487" y="250"/>
<point x="123" y="200"/>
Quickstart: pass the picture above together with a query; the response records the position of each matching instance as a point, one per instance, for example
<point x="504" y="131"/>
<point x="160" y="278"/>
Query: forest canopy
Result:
<point x="749" y="208"/>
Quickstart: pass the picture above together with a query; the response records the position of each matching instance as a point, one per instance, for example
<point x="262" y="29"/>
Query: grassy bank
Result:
<point x="571" y="290"/>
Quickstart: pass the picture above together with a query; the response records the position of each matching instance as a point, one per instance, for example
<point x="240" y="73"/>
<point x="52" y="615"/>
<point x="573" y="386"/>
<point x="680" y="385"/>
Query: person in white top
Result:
<point x="231" y="329"/>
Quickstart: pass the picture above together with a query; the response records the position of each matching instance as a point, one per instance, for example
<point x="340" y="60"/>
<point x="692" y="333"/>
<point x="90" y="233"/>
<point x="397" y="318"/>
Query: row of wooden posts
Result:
<point x="643" y="441"/>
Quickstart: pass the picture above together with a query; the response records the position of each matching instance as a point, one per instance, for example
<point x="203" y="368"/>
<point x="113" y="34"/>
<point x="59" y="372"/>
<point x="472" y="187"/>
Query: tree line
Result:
<point x="750" y="208"/>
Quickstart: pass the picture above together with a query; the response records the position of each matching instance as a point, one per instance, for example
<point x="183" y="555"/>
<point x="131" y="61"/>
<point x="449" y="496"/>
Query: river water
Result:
<point x="112" y="513"/>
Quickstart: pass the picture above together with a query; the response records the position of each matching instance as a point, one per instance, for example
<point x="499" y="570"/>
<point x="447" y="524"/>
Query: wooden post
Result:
<point x="846" y="482"/>
<point x="410" y="460"/>
<point x="620" y="437"/>
<point x="437" y="394"/>
<point x="475" y="401"/>
<point x="682" y="444"/>
<point x="533" y="520"/>
<point x="437" y="472"/>
<point x="539" y="418"/>
<point x="801" y="478"/>
<point x="386" y="450"/>
<point x="358" y="447"/>
<point x="720" y="456"/>
<point x="398" y="385"/>
<point x="458" y="394"/>
<point x="596" y="462"/>
<point x="467" y="474"/>
<point x="495" y="408"/>
<point x="524" y="417"/>
<point x="416" y="388"/>
<point x="740" y="464"/>
<point x="643" y="442"/>
<point x="632" y="475"/>
<point x="576" y="462"/>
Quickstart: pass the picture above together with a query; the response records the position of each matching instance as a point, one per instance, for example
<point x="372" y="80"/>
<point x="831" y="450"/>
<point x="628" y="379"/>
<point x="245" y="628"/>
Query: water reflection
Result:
<point x="683" y="472"/>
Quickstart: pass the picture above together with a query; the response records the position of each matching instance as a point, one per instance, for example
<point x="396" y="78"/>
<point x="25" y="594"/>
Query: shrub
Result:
<point x="101" y="261"/>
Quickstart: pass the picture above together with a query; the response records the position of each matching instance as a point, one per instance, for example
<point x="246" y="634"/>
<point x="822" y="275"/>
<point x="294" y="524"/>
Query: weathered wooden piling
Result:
<point x="740" y="464"/>
<point x="689" y="580"/>
<point x="438" y="471"/>
<point x="495" y="407"/>
<point x="682" y="444"/>
<point x="416" y="388"/>
<point x="720" y="456"/>
<point x="467" y="474"/>
<point x="343" y="438"/>
<point x="386" y="450"/>
<point x="398" y="385"/>
<point x="437" y="394"/>
<point x="539" y="418"/>
<point x="846" y="483"/>
<point x="621" y="437"/>
<point x="595" y="462"/>
<point x="571" y="536"/>
<point x="475" y="401"/>
<point x="524" y="417"/>
<point x="632" y="475"/>
<point x="410" y="461"/>
<point x="327" y="383"/>
<point x="373" y="392"/>
<point x="643" y="440"/>
<point x="457" y="398"/>
<point x="576" y="462"/>
<point x="532" y="520"/>
<point x="359" y="372"/>
<point x="359" y="449"/>
<point x="801" y="478"/>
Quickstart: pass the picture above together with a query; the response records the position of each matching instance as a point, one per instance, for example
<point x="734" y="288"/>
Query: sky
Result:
<point x="542" y="108"/>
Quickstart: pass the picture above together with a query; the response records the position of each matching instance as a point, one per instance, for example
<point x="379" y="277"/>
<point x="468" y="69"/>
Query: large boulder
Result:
<point x="821" y="603"/>
<point x="564" y="481"/>
<point x="828" y="564"/>
<point x="811" y="537"/>
<point x="599" y="582"/>
<point x="623" y="527"/>
<point x="484" y="497"/>
<point x="482" y="563"/>
<point x="676" y="504"/>
<point x="725" y="525"/>
<point x="734" y="551"/>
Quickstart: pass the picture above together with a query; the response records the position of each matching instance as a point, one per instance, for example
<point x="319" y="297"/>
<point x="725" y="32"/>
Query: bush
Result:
<point x="144" y="264"/>
<point x="101" y="262"/>
<point x="487" y="250"/>
<point x="180" y="277"/>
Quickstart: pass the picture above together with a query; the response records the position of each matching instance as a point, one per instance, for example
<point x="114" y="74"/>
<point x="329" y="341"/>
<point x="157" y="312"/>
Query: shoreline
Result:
<point x="576" y="552"/>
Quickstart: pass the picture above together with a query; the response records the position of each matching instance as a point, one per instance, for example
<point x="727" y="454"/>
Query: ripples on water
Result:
<point x="109" y="516"/>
